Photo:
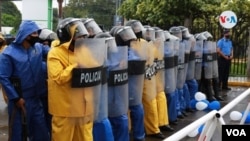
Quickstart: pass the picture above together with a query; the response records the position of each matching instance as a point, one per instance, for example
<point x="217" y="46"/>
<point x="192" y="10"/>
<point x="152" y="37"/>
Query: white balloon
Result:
<point x="193" y="133"/>
<point x="199" y="96"/>
<point x="201" y="105"/>
<point x="235" y="115"/>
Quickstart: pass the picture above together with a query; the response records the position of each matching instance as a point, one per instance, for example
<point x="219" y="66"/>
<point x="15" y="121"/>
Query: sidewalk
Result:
<point x="239" y="81"/>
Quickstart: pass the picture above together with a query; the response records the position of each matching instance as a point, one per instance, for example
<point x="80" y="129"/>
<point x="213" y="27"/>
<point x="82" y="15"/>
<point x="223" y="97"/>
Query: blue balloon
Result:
<point x="200" y="129"/>
<point x="248" y="117"/>
<point x="193" y="103"/>
<point x="207" y="102"/>
<point x="214" y="105"/>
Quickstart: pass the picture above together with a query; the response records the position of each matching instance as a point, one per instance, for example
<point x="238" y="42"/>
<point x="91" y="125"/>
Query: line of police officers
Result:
<point x="134" y="79"/>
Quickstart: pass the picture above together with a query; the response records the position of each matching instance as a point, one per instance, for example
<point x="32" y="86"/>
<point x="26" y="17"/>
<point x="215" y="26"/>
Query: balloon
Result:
<point x="248" y="118"/>
<point x="200" y="129"/>
<point x="207" y="102"/>
<point x="193" y="133"/>
<point x="193" y="103"/>
<point x="199" y="96"/>
<point x="235" y="115"/>
<point x="214" y="105"/>
<point x="201" y="105"/>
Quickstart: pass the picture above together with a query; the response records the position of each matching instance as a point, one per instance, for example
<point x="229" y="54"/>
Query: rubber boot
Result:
<point x="208" y="89"/>
<point x="215" y="82"/>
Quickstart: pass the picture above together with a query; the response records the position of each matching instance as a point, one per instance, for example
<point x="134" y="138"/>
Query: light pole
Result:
<point x="117" y="18"/>
<point x="60" y="8"/>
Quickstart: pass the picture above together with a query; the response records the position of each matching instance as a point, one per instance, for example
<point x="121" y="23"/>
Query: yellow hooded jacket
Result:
<point x="63" y="100"/>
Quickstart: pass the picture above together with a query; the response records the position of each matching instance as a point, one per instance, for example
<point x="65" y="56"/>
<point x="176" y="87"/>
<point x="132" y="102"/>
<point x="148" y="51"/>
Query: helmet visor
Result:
<point x="126" y="33"/>
<point x="92" y="27"/>
<point x="78" y="29"/>
<point x="137" y="27"/>
<point x="159" y="34"/>
<point x="148" y="34"/>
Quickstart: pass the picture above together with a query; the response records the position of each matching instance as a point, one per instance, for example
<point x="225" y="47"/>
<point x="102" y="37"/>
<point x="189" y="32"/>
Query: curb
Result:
<point x="243" y="84"/>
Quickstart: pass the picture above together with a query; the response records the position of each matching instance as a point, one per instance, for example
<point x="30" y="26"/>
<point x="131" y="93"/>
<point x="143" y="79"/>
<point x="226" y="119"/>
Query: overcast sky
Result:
<point x="19" y="4"/>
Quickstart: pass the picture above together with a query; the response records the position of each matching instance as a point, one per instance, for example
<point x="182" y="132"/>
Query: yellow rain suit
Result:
<point x="71" y="108"/>
<point x="154" y="99"/>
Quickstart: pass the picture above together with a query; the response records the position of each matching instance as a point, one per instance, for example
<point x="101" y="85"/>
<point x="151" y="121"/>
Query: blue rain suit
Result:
<point x="26" y="65"/>
<point x="135" y="85"/>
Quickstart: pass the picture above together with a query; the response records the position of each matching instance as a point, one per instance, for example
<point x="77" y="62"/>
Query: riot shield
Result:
<point x="187" y="43"/>
<point x="181" y="66"/>
<point x="198" y="58"/>
<point x="149" y="87"/>
<point x="170" y="80"/>
<point x="208" y="59"/>
<point x="191" y="63"/>
<point x="176" y="42"/>
<point x="136" y="69"/>
<point x="159" y="61"/>
<point x="118" y="82"/>
<point x="90" y="55"/>
<point x="215" y="61"/>
<point x="103" y="106"/>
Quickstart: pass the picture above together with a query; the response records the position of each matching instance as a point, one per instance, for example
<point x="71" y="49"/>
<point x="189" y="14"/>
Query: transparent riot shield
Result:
<point x="170" y="79"/>
<point x="176" y="42"/>
<point x="215" y="61"/>
<point x="191" y="63"/>
<point x="198" y="58"/>
<point x="208" y="59"/>
<point x="149" y="87"/>
<point x="90" y="56"/>
<point x="159" y="60"/>
<point x="118" y="81"/>
<point x="181" y="66"/>
<point x="136" y="69"/>
<point x="103" y="103"/>
<point x="187" y="55"/>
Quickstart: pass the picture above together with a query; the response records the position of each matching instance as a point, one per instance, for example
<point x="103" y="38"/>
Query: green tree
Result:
<point x="197" y="15"/>
<point x="10" y="15"/>
<point x="102" y="11"/>
<point x="55" y="19"/>
<point x="167" y="13"/>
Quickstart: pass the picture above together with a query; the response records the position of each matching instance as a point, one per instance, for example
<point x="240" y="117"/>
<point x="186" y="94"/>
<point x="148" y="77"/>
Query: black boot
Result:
<point x="225" y="86"/>
<point x="215" y="82"/>
<point x="208" y="90"/>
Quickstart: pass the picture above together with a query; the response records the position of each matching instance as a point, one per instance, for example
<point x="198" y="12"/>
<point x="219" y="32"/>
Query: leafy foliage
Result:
<point x="102" y="11"/>
<point x="10" y="15"/>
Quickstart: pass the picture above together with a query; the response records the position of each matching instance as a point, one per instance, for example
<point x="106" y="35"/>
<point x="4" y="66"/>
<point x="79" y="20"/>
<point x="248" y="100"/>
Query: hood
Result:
<point x="26" y="28"/>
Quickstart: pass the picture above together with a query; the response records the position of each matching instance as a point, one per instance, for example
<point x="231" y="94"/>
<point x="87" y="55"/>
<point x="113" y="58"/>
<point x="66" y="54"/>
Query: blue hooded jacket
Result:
<point x="25" y="64"/>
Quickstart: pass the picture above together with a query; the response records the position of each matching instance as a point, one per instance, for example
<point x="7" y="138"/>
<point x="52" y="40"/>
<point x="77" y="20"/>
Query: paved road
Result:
<point x="228" y="96"/>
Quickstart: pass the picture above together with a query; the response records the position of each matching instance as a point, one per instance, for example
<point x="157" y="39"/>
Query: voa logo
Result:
<point x="228" y="19"/>
<point x="236" y="132"/>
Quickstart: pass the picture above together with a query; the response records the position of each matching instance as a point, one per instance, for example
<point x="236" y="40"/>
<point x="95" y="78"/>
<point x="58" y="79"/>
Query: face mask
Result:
<point x="33" y="40"/>
<point x="227" y="36"/>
